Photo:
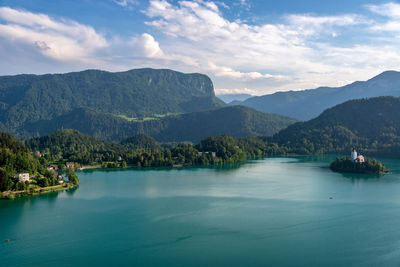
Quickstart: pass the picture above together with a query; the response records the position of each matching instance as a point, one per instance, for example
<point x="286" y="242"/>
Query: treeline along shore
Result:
<point x="38" y="162"/>
<point x="36" y="165"/>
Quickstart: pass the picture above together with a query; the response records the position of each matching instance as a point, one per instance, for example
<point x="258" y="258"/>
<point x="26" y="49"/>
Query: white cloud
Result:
<point x="125" y="3"/>
<point x="223" y="91"/>
<point x="264" y="56"/>
<point x="389" y="9"/>
<point x="297" y="52"/>
<point x="221" y="71"/>
<point x="150" y="46"/>
<point x="61" y="40"/>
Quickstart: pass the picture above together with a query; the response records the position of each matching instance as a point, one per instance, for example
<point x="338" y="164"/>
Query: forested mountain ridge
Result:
<point x="372" y="125"/>
<point x="135" y="93"/>
<point x="308" y="104"/>
<point x="237" y="121"/>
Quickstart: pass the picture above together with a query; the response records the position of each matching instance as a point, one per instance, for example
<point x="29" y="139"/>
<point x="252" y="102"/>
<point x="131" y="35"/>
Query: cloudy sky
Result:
<point x="245" y="46"/>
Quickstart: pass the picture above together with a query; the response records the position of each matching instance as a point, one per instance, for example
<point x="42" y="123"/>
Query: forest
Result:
<point x="144" y="151"/>
<point x="345" y="164"/>
<point x="16" y="158"/>
<point x="371" y="125"/>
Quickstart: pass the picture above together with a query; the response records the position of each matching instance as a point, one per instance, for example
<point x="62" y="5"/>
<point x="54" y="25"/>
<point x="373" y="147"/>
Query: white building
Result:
<point x="23" y="177"/>
<point x="353" y="155"/>
<point x="356" y="158"/>
<point x="213" y="154"/>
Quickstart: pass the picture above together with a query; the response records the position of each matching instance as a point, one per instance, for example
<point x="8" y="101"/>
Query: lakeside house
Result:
<point x="23" y="177"/>
<point x="213" y="154"/>
<point x="355" y="157"/>
<point x="70" y="165"/>
<point x="60" y="179"/>
<point x="51" y="168"/>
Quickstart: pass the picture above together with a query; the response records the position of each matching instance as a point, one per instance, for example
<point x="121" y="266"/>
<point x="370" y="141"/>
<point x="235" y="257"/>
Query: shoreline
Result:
<point x="36" y="191"/>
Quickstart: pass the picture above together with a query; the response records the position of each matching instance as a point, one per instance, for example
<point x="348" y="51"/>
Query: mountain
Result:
<point x="237" y="121"/>
<point x="228" y="98"/>
<point x="371" y="125"/>
<point x="308" y="104"/>
<point x="135" y="94"/>
<point x="100" y="125"/>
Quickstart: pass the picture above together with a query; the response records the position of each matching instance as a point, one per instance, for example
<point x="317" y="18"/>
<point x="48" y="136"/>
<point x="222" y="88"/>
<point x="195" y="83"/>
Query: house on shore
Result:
<point x="70" y="165"/>
<point x="23" y="177"/>
<point x="60" y="179"/>
<point x="213" y="154"/>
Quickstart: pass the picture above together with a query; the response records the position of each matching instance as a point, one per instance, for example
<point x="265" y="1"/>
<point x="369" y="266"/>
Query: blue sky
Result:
<point x="245" y="46"/>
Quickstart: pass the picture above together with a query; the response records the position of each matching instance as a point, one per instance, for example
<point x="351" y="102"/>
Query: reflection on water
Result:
<point x="71" y="192"/>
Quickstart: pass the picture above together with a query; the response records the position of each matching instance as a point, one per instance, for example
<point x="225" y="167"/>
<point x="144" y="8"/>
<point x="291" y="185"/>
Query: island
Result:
<point x="358" y="164"/>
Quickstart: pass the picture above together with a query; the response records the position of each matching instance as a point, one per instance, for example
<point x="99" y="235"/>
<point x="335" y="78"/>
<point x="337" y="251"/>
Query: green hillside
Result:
<point x="135" y="93"/>
<point x="141" y="141"/>
<point x="372" y="125"/>
<point x="237" y="121"/>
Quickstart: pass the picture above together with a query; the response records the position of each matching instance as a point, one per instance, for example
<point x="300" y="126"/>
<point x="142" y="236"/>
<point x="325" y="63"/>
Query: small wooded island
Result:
<point x="358" y="164"/>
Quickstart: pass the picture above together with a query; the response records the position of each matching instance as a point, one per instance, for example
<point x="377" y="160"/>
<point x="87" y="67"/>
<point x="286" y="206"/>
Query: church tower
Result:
<point x="353" y="155"/>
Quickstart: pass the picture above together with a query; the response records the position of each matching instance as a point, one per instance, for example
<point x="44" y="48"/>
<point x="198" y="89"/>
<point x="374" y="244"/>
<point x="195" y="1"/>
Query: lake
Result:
<point x="275" y="211"/>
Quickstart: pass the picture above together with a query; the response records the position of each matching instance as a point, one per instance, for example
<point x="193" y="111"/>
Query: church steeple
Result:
<point x="353" y="155"/>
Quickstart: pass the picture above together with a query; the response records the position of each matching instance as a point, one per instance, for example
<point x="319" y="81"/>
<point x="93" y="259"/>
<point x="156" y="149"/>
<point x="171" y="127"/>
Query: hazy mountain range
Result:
<point x="228" y="98"/>
<point x="307" y="104"/>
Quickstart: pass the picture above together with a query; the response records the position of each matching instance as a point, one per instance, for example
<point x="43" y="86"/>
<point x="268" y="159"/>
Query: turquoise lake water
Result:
<point x="270" y="212"/>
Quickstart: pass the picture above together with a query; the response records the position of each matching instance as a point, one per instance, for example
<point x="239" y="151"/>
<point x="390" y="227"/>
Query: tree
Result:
<point x="3" y="180"/>
<point x="72" y="177"/>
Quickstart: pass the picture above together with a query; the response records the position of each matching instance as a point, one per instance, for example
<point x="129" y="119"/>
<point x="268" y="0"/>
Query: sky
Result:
<point x="245" y="46"/>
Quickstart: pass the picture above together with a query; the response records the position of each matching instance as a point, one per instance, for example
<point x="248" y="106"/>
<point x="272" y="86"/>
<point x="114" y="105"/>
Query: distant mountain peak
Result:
<point x="308" y="104"/>
<point x="387" y="75"/>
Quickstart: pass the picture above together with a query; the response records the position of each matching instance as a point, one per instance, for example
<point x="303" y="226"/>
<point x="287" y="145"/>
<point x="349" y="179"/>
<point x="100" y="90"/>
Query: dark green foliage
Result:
<point x="308" y="104"/>
<point x="73" y="146"/>
<point x="142" y="141"/>
<point x="70" y="145"/>
<point x="347" y="165"/>
<point x="72" y="178"/>
<point x="237" y="121"/>
<point x="3" y="179"/>
<point x="231" y="149"/>
<point x="99" y="125"/>
<point x="372" y="125"/>
<point x="16" y="158"/>
<point x="135" y="93"/>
